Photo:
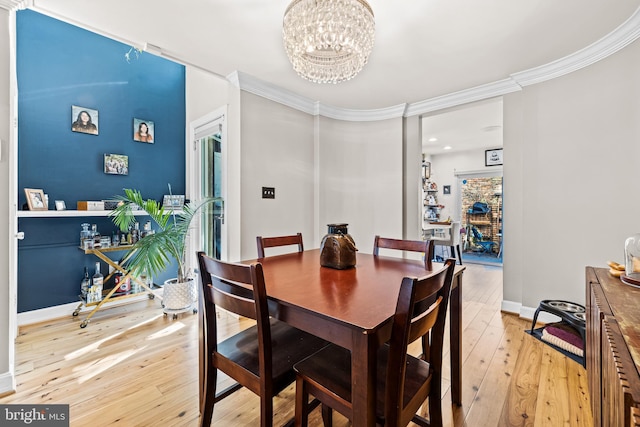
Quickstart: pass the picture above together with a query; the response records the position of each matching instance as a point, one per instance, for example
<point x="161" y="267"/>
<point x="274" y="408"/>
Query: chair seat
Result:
<point x="331" y="368"/>
<point x="288" y="344"/>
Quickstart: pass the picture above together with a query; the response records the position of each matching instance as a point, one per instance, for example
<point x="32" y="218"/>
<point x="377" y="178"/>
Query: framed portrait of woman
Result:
<point x="143" y="131"/>
<point x="84" y="120"/>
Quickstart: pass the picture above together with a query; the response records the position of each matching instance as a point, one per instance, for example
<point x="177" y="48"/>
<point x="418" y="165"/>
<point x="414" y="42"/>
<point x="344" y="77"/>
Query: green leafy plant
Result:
<point x="153" y="253"/>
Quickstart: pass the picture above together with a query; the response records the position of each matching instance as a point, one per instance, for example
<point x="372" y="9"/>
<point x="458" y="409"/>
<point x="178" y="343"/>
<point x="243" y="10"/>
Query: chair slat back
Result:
<point x="238" y="288"/>
<point x="229" y="286"/>
<point x="412" y="320"/>
<point x="270" y="242"/>
<point x="423" y="246"/>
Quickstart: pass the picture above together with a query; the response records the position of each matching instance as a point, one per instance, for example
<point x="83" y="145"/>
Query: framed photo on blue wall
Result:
<point x="84" y="120"/>
<point x="143" y="131"/>
<point x="116" y="164"/>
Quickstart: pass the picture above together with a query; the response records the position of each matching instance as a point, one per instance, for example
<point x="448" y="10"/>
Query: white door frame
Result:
<point x="216" y="118"/>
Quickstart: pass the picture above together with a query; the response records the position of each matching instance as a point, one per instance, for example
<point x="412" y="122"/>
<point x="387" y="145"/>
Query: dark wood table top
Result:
<point x="363" y="297"/>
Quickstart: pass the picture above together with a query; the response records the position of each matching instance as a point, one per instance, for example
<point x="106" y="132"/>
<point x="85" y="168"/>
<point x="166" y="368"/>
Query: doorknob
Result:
<point x="20" y="235"/>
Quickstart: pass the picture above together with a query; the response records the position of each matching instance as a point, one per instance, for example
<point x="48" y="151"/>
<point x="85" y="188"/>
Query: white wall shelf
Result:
<point x="69" y="213"/>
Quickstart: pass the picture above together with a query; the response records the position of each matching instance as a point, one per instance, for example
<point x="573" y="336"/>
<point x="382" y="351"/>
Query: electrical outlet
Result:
<point x="268" y="192"/>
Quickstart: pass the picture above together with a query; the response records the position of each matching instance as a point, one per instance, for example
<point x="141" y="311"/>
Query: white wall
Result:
<point x="204" y="94"/>
<point x="277" y="151"/>
<point x="7" y="303"/>
<point x="361" y="178"/>
<point x="412" y="144"/>
<point x="571" y="193"/>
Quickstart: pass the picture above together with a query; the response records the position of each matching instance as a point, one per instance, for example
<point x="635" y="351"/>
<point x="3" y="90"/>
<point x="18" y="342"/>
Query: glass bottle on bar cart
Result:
<point x="96" y="284"/>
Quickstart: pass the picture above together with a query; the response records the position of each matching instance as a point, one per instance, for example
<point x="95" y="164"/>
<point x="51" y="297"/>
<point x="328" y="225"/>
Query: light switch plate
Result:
<point x="268" y="192"/>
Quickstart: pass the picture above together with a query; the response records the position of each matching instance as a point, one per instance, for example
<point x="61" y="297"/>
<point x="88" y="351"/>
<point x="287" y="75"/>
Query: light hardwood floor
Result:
<point x="134" y="367"/>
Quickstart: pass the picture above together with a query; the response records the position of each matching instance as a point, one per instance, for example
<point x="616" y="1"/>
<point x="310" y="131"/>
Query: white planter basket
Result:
<point x="179" y="297"/>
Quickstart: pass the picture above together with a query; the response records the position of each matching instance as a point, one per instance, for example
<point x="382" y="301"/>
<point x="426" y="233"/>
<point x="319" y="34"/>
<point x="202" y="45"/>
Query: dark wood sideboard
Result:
<point x="613" y="349"/>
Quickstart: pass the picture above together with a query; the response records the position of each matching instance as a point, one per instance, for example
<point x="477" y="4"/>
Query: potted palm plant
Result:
<point x="153" y="253"/>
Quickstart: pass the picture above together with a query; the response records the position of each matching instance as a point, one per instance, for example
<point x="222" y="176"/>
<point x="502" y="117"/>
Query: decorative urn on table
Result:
<point x="338" y="250"/>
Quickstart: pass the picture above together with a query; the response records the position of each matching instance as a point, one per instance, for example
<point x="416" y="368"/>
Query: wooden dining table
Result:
<point x="353" y="309"/>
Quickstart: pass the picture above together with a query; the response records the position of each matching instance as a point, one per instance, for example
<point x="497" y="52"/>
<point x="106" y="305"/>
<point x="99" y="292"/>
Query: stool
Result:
<point x="570" y="312"/>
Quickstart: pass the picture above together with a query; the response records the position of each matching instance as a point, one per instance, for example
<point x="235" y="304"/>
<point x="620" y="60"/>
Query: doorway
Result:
<point x="208" y="179"/>
<point x="480" y="201"/>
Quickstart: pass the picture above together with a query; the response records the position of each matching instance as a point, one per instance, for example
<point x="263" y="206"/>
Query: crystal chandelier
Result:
<point x="328" y="41"/>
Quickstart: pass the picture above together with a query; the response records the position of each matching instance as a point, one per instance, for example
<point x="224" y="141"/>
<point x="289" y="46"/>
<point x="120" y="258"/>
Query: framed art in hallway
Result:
<point x="493" y="157"/>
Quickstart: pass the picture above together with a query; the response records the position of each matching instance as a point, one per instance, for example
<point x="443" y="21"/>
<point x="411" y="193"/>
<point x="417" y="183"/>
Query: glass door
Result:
<point x="211" y="186"/>
<point x="207" y="178"/>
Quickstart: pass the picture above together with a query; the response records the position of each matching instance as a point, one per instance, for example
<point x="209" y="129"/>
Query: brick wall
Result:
<point x="489" y="191"/>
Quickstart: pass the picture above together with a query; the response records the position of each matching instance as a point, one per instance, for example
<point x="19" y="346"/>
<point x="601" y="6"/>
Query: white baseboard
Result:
<point x="7" y="383"/>
<point x="511" y="307"/>
<point x="66" y="310"/>
<point x="527" y="312"/>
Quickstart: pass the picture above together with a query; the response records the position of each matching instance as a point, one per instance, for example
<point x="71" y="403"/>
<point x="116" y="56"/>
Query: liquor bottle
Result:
<point x="84" y="285"/>
<point x="135" y="233"/>
<point x="96" y="283"/>
<point x="96" y="236"/>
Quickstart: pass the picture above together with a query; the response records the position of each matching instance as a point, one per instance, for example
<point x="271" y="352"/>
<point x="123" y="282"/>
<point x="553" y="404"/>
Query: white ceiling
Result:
<point x="476" y="126"/>
<point x="424" y="49"/>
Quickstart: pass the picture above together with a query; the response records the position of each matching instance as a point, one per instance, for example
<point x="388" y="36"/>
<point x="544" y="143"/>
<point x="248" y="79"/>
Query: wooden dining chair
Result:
<point x="270" y="242"/>
<point x="404" y="382"/>
<point x="249" y="357"/>
<point x="424" y="246"/>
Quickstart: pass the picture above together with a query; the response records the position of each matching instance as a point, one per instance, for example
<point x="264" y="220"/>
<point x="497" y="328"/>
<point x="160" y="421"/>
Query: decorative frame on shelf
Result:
<point x="61" y="205"/>
<point x="35" y="199"/>
<point x="493" y="157"/>
<point x="173" y="201"/>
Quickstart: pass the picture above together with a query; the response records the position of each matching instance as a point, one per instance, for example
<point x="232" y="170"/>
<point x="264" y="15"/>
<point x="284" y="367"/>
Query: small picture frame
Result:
<point x="60" y="205"/>
<point x="116" y="164"/>
<point x="143" y="131"/>
<point x="446" y="189"/>
<point x="84" y="120"/>
<point x="35" y="199"/>
<point x="173" y="201"/>
<point x="493" y="157"/>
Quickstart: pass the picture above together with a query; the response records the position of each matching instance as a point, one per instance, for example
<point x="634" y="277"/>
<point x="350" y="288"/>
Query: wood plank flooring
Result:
<point x="132" y="366"/>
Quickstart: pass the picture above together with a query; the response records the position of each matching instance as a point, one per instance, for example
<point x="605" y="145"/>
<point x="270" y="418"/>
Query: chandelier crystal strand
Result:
<point x="328" y="41"/>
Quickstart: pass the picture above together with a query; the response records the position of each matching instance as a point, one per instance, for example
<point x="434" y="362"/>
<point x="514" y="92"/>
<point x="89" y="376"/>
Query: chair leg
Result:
<point x="266" y="410"/>
<point x="435" y="408"/>
<point x="459" y="256"/>
<point x="425" y="348"/>
<point x="206" y="413"/>
<point x="327" y="415"/>
<point x="302" y="403"/>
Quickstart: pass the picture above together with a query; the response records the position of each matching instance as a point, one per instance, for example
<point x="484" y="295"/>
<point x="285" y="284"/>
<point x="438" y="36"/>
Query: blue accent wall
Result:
<point x="60" y="66"/>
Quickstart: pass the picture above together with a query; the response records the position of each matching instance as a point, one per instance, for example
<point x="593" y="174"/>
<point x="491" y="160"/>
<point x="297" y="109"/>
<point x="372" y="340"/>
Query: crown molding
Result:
<point x="625" y="34"/>
<point x="393" y="112"/>
<point x="259" y="87"/>
<point x="15" y="4"/>
<point x="478" y="93"/>
<point x="254" y="85"/>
